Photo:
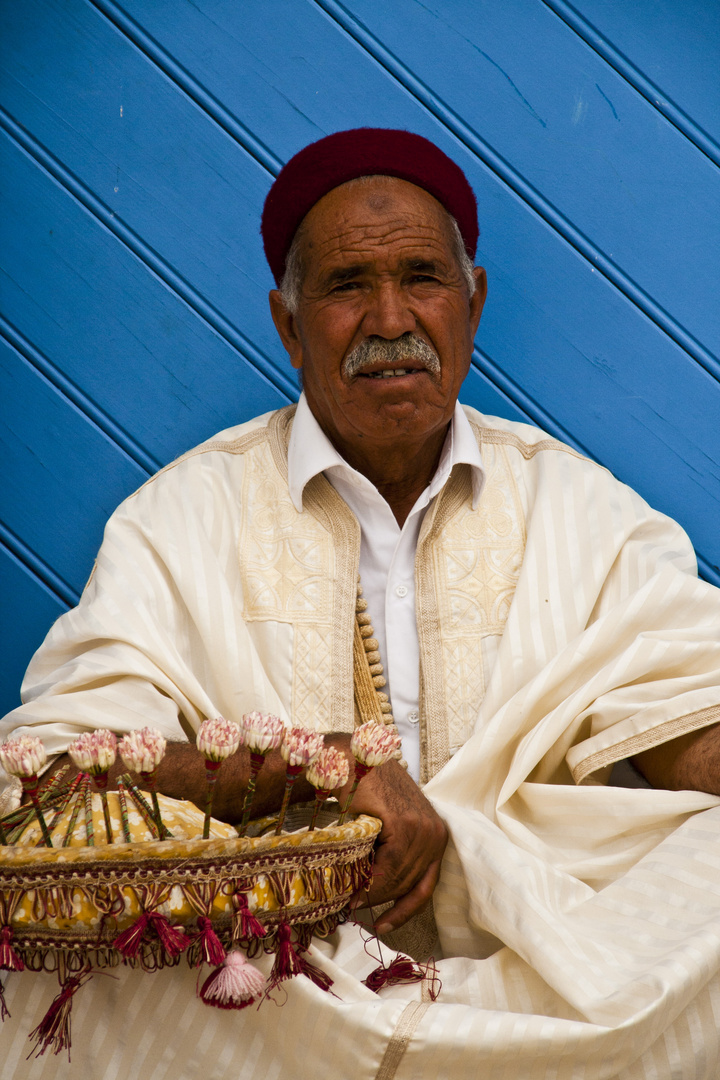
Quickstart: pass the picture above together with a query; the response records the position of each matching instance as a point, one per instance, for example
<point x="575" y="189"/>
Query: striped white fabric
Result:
<point x="579" y="925"/>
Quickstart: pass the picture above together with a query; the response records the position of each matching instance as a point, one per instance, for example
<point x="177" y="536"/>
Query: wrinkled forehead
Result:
<point x="371" y="213"/>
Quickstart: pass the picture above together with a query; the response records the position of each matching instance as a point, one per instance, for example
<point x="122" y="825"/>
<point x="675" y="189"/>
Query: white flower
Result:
<point x="217" y="739"/>
<point x="300" y="746"/>
<point x="23" y="756"/>
<point x="329" y="770"/>
<point x="94" y="751"/>
<point x="373" y="744"/>
<point x="143" y="749"/>
<point x="261" y="732"/>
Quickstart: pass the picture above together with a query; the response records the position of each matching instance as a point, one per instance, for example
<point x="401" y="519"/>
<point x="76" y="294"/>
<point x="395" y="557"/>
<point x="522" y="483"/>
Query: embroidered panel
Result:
<point x="286" y="561"/>
<point x="312" y="679"/>
<point x="477" y="558"/>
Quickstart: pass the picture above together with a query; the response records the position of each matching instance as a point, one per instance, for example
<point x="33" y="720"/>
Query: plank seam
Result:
<point x="38" y="567"/>
<point x="180" y="77"/>
<point x="644" y="86"/>
<point x="522" y="401"/>
<point x="154" y="263"/>
<point x="89" y="409"/>
<point x="508" y="175"/>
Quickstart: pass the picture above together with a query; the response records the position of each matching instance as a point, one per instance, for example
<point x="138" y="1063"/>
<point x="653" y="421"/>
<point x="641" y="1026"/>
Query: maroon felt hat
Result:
<point x="324" y="165"/>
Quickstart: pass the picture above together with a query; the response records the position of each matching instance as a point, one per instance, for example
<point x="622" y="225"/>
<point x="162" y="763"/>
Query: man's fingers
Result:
<point x="410" y="846"/>
<point x="411" y="903"/>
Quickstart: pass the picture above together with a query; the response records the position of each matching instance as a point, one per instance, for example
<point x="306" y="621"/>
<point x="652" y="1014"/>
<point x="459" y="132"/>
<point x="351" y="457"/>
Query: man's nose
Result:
<point x="388" y="314"/>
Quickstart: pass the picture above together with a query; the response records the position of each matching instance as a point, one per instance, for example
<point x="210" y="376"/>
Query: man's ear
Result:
<point x="477" y="300"/>
<point x="286" y="327"/>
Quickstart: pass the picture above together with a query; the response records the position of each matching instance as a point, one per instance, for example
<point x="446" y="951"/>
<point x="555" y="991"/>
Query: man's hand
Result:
<point x="410" y="846"/>
<point x="411" y="842"/>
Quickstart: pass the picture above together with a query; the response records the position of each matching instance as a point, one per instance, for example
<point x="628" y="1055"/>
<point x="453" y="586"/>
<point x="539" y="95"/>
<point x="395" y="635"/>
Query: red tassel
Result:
<point x="53" y="1031"/>
<point x="173" y="939"/>
<point x="287" y="962"/>
<point x="246" y="926"/>
<point x="235" y="985"/>
<point x="211" y="948"/>
<point x="401" y="970"/>
<point x="318" y="976"/>
<point x="9" y="959"/>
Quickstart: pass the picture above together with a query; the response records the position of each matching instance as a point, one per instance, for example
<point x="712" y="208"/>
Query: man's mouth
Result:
<point x="390" y="373"/>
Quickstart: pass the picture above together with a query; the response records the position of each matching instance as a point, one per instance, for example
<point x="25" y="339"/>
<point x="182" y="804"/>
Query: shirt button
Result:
<point x="401" y="590"/>
<point x="413" y="717"/>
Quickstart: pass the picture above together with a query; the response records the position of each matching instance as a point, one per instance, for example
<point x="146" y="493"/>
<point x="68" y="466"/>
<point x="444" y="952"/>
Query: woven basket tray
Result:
<point x="79" y="899"/>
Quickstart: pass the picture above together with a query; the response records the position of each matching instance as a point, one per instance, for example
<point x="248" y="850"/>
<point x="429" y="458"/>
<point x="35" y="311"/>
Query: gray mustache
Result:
<point x="376" y="350"/>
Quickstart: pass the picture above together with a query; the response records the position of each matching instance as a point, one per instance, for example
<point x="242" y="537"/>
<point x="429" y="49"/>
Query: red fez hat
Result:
<point x="324" y="165"/>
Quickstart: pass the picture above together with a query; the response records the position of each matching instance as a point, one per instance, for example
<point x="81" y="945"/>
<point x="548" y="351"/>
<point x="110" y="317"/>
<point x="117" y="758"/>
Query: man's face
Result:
<point x="379" y="263"/>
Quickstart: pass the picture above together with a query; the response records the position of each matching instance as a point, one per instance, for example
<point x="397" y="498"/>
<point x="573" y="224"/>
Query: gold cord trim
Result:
<point x="528" y="450"/>
<point x="671" y="729"/>
<point x="405" y="1028"/>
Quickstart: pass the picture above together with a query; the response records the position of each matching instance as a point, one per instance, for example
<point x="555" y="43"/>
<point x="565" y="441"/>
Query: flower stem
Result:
<point x="320" y="797"/>
<point x="124" y="813"/>
<point x="211" y="768"/>
<point x="156" y="811"/>
<point x="150" y="779"/>
<point x="257" y="761"/>
<point x="290" y="777"/>
<point x="79" y="800"/>
<point x="89" y="830"/>
<point x="101" y="784"/>
<point x="361" y="769"/>
<point x="30" y="785"/>
<point x="351" y="796"/>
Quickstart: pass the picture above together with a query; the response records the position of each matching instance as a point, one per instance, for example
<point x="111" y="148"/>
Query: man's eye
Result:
<point x="346" y="286"/>
<point x="424" y="278"/>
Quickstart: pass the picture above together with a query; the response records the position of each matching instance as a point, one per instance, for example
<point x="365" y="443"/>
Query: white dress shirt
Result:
<point x="387" y="552"/>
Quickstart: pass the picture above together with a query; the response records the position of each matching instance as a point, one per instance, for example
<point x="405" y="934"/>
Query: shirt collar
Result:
<point x="310" y="452"/>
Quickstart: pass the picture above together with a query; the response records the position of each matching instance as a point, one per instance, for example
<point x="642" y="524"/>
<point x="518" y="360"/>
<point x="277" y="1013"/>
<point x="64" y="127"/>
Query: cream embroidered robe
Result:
<point x="561" y="629"/>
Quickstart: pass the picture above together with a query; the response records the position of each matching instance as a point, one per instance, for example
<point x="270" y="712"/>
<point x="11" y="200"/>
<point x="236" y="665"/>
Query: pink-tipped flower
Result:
<point x="371" y="744"/>
<point x="300" y="746"/>
<point x="23" y="756"/>
<point x="217" y="739"/>
<point x="94" y="751"/>
<point x="262" y="732"/>
<point x="143" y="750"/>
<point x="329" y="770"/>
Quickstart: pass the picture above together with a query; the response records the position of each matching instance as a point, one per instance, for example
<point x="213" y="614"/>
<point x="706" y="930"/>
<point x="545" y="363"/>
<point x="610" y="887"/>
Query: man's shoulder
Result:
<point x="224" y="452"/>
<point x="528" y="440"/>
<point x="241" y="438"/>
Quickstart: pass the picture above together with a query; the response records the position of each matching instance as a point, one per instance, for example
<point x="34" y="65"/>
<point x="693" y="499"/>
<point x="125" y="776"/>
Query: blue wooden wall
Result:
<point x="138" y="143"/>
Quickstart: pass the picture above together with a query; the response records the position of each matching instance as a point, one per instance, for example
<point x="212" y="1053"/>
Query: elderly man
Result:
<point x="537" y="623"/>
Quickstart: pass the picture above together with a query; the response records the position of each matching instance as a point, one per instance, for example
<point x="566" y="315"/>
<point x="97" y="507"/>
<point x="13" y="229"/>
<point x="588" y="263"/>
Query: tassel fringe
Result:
<point x="172" y="938"/>
<point x="211" y="949"/>
<point x="245" y="924"/>
<point x="234" y="985"/>
<point x="53" y="1031"/>
<point x="400" y="970"/>
<point x="9" y="959"/>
